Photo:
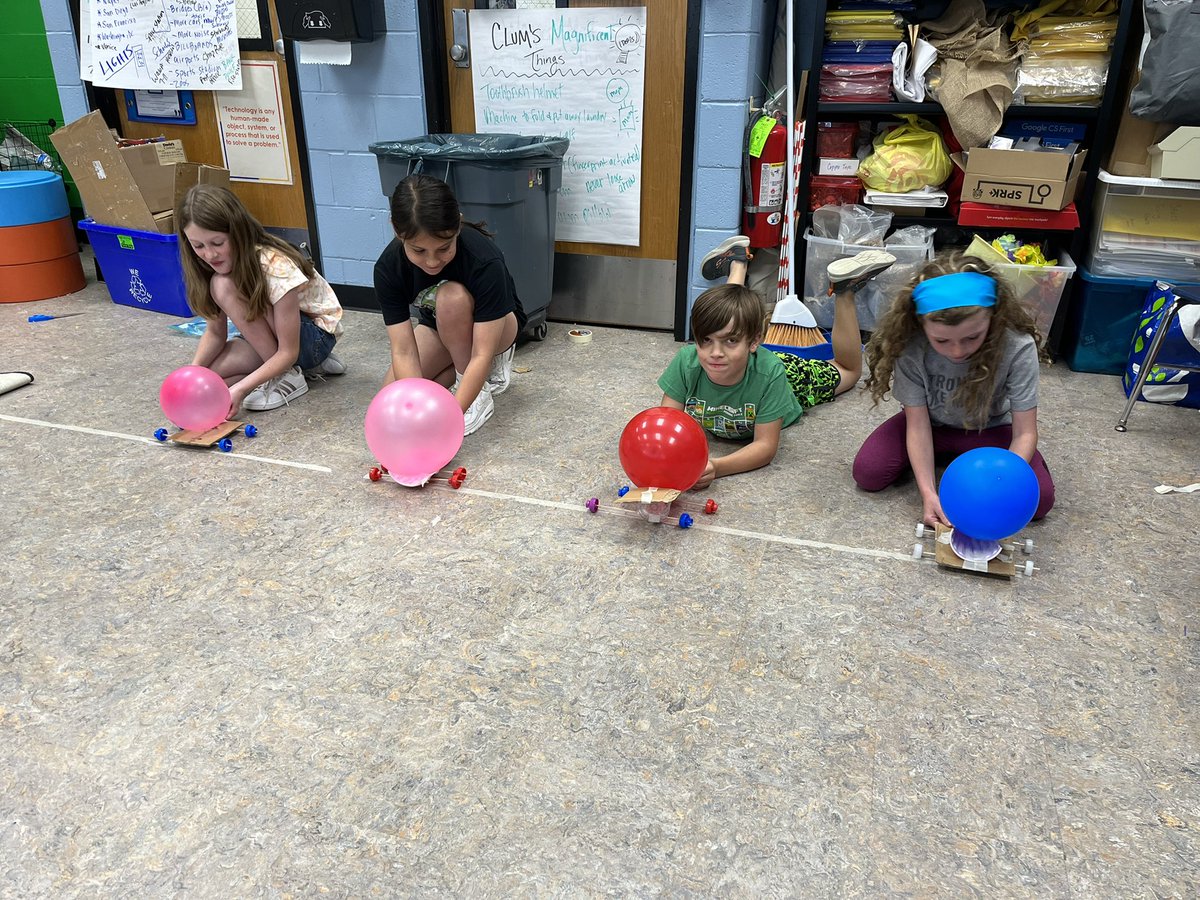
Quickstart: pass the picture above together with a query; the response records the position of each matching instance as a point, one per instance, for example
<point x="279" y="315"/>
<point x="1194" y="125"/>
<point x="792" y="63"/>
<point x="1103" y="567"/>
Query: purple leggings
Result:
<point x="884" y="455"/>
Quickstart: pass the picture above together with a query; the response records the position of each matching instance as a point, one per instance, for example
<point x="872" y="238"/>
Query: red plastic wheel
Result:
<point x="383" y="469"/>
<point x="375" y="474"/>
<point x="710" y="507"/>
<point x="456" y="481"/>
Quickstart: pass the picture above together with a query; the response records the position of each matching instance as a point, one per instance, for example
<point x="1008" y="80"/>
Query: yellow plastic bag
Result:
<point x="907" y="158"/>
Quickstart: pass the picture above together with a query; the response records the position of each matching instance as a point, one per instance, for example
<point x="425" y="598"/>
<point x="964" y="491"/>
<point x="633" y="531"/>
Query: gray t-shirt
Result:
<point x="923" y="377"/>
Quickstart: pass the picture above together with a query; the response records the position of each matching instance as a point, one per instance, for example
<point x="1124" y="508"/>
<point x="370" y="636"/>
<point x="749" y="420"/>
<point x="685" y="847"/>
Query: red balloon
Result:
<point x="663" y="448"/>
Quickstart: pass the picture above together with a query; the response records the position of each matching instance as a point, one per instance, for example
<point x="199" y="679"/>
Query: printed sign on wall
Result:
<point x="158" y="44"/>
<point x="576" y="73"/>
<point x="253" y="139"/>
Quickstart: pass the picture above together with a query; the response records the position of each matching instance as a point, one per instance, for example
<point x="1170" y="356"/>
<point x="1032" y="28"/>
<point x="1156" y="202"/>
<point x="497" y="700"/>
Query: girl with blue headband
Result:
<point x="961" y="355"/>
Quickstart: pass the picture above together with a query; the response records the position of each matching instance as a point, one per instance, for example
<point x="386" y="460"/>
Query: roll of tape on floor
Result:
<point x="579" y="336"/>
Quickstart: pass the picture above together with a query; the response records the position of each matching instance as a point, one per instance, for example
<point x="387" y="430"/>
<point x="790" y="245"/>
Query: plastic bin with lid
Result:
<point x="509" y="181"/>
<point x="1145" y="227"/>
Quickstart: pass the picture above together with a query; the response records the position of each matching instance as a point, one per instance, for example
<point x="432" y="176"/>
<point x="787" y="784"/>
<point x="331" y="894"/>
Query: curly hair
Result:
<point x="218" y="209"/>
<point x="901" y="323"/>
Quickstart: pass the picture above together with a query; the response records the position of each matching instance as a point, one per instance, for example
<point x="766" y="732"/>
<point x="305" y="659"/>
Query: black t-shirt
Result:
<point x="478" y="265"/>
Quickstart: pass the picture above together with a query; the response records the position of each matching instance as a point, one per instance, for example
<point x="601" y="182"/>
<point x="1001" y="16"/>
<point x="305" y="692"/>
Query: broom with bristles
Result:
<point x="792" y="323"/>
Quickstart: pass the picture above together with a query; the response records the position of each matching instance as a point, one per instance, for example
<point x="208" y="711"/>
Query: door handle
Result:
<point x="279" y="48"/>
<point x="460" y="50"/>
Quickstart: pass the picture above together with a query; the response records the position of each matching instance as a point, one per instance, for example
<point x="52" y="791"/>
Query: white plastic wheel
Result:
<point x="1029" y="568"/>
<point x="920" y="529"/>
<point x="918" y="551"/>
<point x="1028" y="546"/>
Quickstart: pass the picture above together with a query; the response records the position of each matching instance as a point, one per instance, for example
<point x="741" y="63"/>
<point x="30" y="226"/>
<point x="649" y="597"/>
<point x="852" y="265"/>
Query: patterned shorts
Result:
<point x="813" y="381"/>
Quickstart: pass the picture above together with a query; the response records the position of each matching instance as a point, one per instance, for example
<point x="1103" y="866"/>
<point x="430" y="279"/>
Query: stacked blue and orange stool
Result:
<point x="39" y="254"/>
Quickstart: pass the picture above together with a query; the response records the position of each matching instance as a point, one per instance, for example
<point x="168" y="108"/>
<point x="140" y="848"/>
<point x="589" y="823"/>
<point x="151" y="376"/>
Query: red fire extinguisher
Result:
<point x="764" y="178"/>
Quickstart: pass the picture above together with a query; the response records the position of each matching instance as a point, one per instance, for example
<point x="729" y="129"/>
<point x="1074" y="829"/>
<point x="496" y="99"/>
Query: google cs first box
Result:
<point x="1029" y="178"/>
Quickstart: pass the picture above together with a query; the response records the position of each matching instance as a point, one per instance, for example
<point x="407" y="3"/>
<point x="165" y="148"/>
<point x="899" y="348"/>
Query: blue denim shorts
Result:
<point x="315" y="344"/>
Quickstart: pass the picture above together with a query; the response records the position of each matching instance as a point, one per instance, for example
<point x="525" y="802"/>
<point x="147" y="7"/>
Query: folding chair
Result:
<point x="1180" y="297"/>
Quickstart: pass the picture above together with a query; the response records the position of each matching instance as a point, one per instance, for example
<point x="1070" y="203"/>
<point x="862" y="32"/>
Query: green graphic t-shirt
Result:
<point x="763" y="394"/>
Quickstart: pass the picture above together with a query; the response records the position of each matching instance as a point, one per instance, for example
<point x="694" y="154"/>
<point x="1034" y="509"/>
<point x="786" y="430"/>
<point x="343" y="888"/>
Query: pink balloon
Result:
<point x="414" y="427"/>
<point x="194" y="397"/>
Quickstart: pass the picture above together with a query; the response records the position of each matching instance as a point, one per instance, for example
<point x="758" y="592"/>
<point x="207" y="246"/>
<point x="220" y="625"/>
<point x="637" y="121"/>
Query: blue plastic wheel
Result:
<point x="685" y="521"/>
<point x="225" y="445"/>
<point x="251" y="431"/>
<point x="161" y="434"/>
<point x="623" y="490"/>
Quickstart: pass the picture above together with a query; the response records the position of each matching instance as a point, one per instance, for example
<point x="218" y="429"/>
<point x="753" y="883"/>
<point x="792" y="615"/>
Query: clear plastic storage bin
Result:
<point x="874" y="299"/>
<point x="1040" y="288"/>
<point x="1146" y="228"/>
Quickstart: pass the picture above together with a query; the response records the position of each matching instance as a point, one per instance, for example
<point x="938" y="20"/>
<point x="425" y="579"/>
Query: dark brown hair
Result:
<point x="421" y="203"/>
<point x="718" y="306"/>
<point x="218" y="209"/>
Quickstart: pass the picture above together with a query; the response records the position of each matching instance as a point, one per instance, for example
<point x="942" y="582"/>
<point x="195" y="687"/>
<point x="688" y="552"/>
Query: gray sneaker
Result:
<point x="331" y="365"/>
<point x="853" y="272"/>
<point x="717" y="261"/>
<point x="501" y="374"/>
<point x="278" y="391"/>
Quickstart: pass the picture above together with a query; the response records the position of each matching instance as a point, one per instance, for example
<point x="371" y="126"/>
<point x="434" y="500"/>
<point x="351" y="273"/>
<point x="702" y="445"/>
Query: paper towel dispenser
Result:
<point x="358" y="21"/>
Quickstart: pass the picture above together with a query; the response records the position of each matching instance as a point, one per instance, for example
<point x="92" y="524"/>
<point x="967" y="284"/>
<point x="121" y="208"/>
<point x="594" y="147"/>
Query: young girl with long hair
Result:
<point x="454" y="275"/>
<point x="961" y="355"/>
<point x="288" y="315"/>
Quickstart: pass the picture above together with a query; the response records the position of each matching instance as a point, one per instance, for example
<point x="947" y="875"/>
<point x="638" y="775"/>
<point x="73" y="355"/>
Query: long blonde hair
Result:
<point x="218" y="209"/>
<point x="901" y="323"/>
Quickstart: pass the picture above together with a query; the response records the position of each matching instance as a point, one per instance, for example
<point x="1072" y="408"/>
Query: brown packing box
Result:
<point x="153" y="168"/>
<point x="110" y="193"/>
<point x="188" y="174"/>
<point x="1035" y="179"/>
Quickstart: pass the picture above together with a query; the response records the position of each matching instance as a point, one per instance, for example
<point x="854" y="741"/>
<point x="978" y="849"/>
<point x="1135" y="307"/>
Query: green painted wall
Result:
<point x="27" y="87"/>
<point x="28" y="92"/>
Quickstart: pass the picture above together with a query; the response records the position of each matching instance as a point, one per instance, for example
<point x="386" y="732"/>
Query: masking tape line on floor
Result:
<point x="157" y="443"/>
<point x="495" y="495"/>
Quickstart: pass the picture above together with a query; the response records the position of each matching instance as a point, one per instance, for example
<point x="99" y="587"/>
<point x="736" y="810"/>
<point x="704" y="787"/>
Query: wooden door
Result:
<point x="280" y="207"/>
<point x="609" y="283"/>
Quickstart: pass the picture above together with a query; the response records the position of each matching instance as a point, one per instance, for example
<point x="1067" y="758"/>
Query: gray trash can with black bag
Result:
<point x="509" y="181"/>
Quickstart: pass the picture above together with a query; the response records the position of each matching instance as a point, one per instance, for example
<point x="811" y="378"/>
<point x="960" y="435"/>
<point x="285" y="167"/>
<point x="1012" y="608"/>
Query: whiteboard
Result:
<point x="576" y="73"/>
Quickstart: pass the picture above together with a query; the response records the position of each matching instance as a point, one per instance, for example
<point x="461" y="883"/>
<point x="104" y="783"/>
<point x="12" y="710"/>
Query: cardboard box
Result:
<point x="152" y="166"/>
<point x="1177" y="155"/>
<point x="110" y="192"/>
<point x="1041" y="180"/>
<point x="188" y="174"/>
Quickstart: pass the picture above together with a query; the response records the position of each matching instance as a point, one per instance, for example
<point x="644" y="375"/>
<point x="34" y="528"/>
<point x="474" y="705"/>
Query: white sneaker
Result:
<point x="331" y="365"/>
<point x="478" y="412"/>
<point x="501" y="374"/>
<point x="277" y="391"/>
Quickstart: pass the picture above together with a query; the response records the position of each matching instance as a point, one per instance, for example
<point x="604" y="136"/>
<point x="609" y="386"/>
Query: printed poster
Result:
<point x="253" y="137"/>
<point x="160" y="44"/>
<point x="576" y="73"/>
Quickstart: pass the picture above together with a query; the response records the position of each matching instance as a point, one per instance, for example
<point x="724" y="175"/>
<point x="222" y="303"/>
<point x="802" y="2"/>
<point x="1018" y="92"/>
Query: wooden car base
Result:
<point x="1002" y="566"/>
<point x="217" y="436"/>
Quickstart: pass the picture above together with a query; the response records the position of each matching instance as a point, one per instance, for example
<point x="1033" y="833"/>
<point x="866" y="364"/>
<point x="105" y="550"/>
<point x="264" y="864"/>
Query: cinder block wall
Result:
<point x="379" y="97"/>
<point x="736" y="37"/>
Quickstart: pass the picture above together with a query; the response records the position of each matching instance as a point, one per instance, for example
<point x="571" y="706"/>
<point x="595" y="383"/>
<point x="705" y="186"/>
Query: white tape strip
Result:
<point x="157" y="443"/>
<point x="1170" y="488"/>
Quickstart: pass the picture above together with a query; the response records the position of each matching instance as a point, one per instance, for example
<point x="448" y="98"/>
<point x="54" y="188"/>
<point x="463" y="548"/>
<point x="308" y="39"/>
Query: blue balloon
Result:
<point x="989" y="493"/>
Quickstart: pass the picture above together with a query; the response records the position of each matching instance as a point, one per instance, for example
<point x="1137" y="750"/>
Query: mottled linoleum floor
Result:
<point x="221" y="676"/>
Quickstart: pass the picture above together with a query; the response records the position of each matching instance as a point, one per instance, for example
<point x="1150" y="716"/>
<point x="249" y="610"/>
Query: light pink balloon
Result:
<point x="194" y="397"/>
<point x="414" y="427"/>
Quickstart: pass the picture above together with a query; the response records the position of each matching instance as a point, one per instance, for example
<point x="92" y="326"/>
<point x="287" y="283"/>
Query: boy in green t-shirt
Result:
<point x="738" y="390"/>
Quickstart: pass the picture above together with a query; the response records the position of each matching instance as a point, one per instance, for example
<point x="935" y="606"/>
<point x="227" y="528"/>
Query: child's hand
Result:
<point x="933" y="512"/>
<point x="710" y="473"/>
<point x="236" y="395"/>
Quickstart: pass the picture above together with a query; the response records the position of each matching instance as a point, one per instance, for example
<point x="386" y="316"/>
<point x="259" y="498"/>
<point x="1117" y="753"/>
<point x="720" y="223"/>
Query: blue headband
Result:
<point x="959" y="289"/>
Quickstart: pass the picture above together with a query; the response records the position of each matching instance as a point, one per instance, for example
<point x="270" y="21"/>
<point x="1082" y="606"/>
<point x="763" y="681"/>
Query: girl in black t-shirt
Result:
<point x="454" y="277"/>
